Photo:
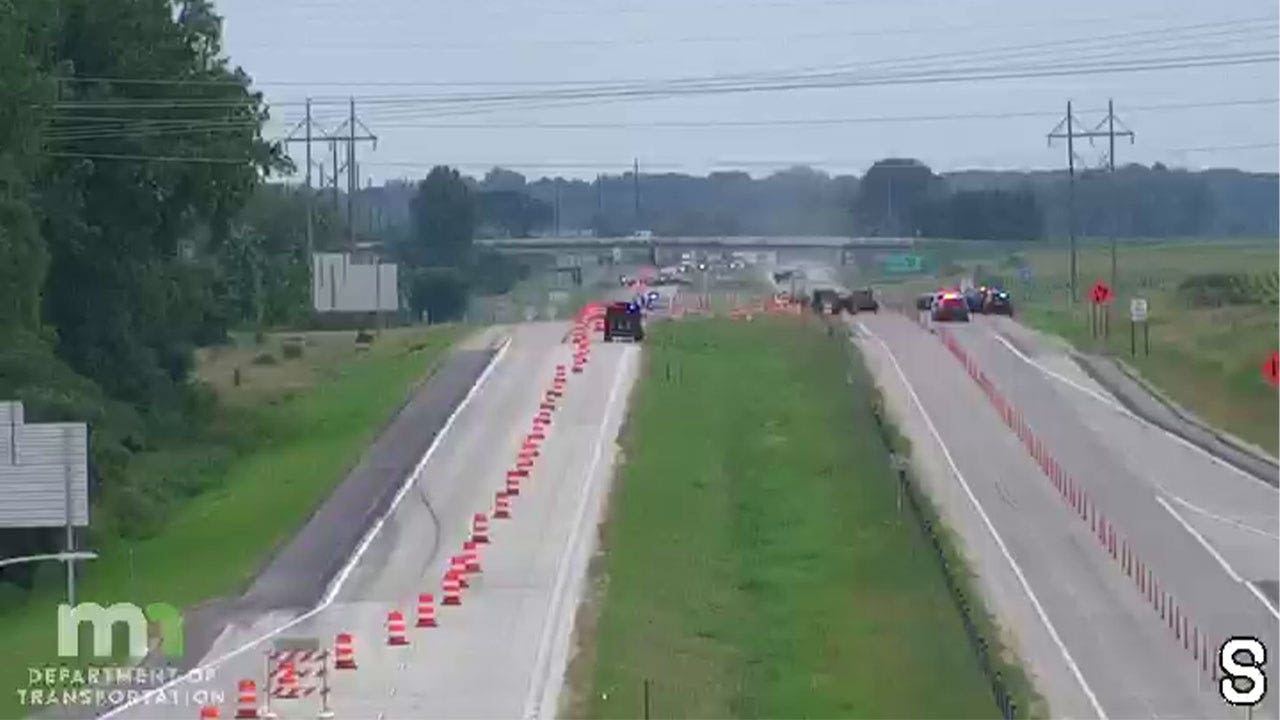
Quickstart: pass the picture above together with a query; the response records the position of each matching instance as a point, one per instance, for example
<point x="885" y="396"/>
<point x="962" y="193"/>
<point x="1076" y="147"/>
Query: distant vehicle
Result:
<point x="645" y="234"/>
<point x="863" y="300"/>
<point x="623" y="320"/>
<point x="997" y="302"/>
<point x="950" y="306"/>
<point x="973" y="297"/>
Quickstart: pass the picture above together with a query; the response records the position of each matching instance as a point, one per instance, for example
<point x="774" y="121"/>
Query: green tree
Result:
<point x="444" y="220"/>
<point x="440" y="292"/>
<point x="117" y="228"/>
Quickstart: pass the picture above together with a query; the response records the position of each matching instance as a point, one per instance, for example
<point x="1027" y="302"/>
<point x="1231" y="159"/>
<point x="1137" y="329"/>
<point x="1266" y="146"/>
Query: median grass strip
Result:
<point x="755" y="562"/>
<point x="291" y="452"/>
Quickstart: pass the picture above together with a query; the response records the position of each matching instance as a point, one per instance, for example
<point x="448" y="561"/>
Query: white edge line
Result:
<point x="1004" y="550"/>
<point x="540" y="688"/>
<point x="1125" y="411"/>
<point x="1223" y="519"/>
<point x="1221" y="561"/>
<point x="336" y="584"/>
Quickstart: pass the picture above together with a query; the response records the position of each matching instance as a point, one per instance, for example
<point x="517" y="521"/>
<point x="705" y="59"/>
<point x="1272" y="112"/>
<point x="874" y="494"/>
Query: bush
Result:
<point x="1216" y="289"/>
<point x="293" y="348"/>
<point x="265" y="359"/>
<point x="364" y="337"/>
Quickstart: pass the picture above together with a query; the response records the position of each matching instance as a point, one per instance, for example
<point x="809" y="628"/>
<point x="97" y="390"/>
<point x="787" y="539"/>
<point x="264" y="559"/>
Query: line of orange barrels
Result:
<point x="466" y="563"/>
<point x="1185" y="631"/>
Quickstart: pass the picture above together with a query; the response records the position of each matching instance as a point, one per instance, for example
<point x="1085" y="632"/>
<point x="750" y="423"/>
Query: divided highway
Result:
<point x="502" y="653"/>
<point x="1093" y="641"/>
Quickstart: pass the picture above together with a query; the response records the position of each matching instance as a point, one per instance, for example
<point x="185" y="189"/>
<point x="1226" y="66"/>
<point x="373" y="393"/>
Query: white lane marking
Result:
<point x="1221" y="560"/>
<point x="1124" y="410"/>
<point x="991" y="528"/>
<point x="1185" y="443"/>
<point x="1220" y="518"/>
<point x="336" y="584"/>
<point x="541" y="688"/>
<point x="1200" y="539"/>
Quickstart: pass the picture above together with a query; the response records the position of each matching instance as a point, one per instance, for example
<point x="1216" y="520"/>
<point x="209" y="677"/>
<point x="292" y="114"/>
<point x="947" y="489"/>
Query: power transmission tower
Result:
<point x="1070" y="128"/>
<point x="346" y="133"/>
<point x="1110" y="122"/>
<point x="309" y="132"/>
<point x="1067" y="128"/>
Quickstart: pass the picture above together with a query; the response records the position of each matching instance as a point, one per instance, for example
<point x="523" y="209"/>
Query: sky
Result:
<point x="957" y="84"/>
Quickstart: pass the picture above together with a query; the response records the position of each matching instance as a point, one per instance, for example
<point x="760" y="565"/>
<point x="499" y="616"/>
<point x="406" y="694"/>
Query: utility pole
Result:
<point x="310" y="221"/>
<point x="309" y="132"/>
<point x="353" y="182"/>
<point x="557" y="187"/>
<point x="1069" y="123"/>
<point x="333" y="145"/>
<point x="1110" y="121"/>
<point x="635" y="178"/>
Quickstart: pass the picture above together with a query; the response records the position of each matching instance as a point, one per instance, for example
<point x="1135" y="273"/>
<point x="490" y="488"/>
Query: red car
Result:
<point x="949" y="306"/>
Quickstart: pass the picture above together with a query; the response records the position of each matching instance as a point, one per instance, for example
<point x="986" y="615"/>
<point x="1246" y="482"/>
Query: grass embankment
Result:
<point x="1207" y="359"/>
<point x="755" y="564"/>
<point x="281" y="441"/>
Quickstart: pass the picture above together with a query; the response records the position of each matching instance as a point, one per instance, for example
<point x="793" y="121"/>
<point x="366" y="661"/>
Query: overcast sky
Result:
<point x="399" y="57"/>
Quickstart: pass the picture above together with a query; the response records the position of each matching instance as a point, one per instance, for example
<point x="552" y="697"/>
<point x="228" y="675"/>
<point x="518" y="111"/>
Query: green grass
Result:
<point x="755" y="563"/>
<point x="289" y="453"/>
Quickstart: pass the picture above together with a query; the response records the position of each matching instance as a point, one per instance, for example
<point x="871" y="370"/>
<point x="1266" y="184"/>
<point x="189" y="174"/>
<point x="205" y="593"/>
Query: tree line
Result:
<point x="896" y="196"/>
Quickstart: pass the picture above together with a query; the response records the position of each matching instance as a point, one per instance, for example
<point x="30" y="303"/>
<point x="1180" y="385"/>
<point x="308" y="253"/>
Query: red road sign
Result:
<point x="1100" y="294"/>
<point x="1271" y="369"/>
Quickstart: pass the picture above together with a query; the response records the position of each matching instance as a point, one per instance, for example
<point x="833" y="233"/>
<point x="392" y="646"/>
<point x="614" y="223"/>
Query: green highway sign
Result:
<point x="902" y="263"/>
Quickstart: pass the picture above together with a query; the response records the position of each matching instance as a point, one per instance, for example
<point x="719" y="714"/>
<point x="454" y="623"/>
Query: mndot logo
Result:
<point x="104" y="620"/>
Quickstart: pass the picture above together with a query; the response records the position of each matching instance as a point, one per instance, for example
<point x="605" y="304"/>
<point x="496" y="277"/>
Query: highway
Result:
<point x="1089" y="636"/>
<point x="502" y="653"/>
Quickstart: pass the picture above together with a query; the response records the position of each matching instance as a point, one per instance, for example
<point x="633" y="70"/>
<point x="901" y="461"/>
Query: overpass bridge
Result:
<point x="838" y="250"/>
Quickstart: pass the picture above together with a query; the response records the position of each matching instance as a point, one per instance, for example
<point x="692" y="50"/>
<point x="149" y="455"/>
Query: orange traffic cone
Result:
<point x="501" y="506"/>
<point x="480" y="528"/>
<point x="344" y="652"/>
<point x="471" y="553"/>
<point x="396" y="629"/>
<point x="452" y="589"/>
<point x="426" y="610"/>
<point x="458" y="566"/>
<point x="246" y="699"/>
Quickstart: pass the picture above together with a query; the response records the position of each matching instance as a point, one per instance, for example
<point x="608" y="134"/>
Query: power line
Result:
<point x="200" y="127"/>
<point x="1197" y="31"/>
<point x="967" y="75"/>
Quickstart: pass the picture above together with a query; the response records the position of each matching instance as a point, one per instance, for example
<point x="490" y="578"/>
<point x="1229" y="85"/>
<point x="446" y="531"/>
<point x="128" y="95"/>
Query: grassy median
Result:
<point x="755" y="564"/>
<point x="286" y="436"/>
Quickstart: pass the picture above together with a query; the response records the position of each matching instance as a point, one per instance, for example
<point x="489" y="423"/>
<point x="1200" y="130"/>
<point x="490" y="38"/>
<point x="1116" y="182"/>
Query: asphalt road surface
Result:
<point x="1092" y="641"/>
<point x="503" y="652"/>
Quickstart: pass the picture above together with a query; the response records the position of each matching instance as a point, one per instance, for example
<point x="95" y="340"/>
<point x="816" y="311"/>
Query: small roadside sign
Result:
<point x="1271" y="370"/>
<point x="1100" y="294"/>
<point x="1138" y="310"/>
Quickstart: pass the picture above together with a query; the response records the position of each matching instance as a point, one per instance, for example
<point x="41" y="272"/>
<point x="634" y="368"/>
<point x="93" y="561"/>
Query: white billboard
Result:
<point x="341" y="283"/>
<point x="39" y="464"/>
